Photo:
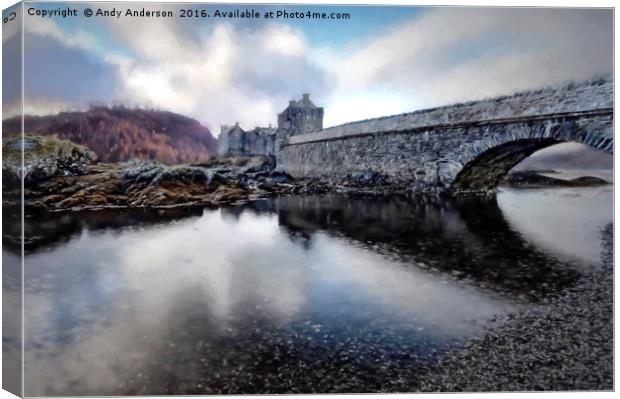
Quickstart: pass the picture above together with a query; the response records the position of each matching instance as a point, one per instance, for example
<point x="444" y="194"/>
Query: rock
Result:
<point x="156" y="174"/>
<point x="72" y="181"/>
<point x="277" y="178"/>
<point x="70" y="202"/>
<point x="229" y="194"/>
<point x="97" y="199"/>
<point x="564" y="344"/>
<point x="50" y="199"/>
<point x="214" y="180"/>
<point x="44" y="157"/>
<point x="260" y="163"/>
<point x="366" y="177"/>
<point x="143" y="171"/>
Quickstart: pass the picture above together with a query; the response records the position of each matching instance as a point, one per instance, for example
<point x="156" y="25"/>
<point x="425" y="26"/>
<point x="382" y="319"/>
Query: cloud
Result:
<point x="221" y="75"/>
<point x="247" y="72"/>
<point x="458" y="54"/>
<point x="225" y="75"/>
<point x="568" y="156"/>
<point x="11" y="74"/>
<point x="57" y="71"/>
<point x="40" y="106"/>
<point x="48" y="28"/>
<point x="63" y="71"/>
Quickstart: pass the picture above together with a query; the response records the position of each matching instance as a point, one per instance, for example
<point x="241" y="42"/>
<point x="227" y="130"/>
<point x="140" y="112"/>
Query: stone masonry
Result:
<point x="233" y="140"/>
<point x="462" y="147"/>
<point x="300" y="117"/>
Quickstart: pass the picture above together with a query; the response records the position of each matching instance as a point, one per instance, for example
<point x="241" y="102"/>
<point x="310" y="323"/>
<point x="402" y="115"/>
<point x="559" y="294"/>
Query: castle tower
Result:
<point x="232" y="140"/>
<point x="300" y="117"/>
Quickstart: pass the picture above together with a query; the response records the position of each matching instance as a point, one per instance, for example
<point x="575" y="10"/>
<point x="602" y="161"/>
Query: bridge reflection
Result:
<point x="469" y="238"/>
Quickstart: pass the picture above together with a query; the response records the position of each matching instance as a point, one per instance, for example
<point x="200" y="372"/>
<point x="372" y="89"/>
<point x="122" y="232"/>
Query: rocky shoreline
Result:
<point x="562" y="344"/>
<point x="60" y="176"/>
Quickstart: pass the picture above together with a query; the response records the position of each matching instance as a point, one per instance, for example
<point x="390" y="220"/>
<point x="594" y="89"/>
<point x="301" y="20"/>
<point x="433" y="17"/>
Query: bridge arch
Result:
<point x="483" y="163"/>
<point x="460" y="147"/>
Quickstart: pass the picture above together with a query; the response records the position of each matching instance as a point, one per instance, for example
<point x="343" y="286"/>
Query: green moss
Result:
<point x="36" y="147"/>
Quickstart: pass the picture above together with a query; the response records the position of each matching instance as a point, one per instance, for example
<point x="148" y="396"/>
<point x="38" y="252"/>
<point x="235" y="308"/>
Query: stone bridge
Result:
<point x="460" y="148"/>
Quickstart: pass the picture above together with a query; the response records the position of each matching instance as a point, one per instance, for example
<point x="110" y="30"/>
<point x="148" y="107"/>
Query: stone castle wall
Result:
<point x="300" y="117"/>
<point x="234" y="141"/>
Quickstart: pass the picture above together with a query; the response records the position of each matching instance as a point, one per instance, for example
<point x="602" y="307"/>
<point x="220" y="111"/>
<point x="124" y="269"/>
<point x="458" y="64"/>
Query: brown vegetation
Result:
<point x="119" y="134"/>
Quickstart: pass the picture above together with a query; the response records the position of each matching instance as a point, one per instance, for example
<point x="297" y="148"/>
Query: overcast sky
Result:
<point x="384" y="60"/>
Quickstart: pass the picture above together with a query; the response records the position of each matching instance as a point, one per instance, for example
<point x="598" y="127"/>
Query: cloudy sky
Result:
<point x="384" y="60"/>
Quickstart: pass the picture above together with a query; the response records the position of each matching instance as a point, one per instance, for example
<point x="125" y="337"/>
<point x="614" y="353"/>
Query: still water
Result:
<point x="293" y="294"/>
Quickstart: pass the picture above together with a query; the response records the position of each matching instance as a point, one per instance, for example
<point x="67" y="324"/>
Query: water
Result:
<point x="295" y="294"/>
<point x="548" y="217"/>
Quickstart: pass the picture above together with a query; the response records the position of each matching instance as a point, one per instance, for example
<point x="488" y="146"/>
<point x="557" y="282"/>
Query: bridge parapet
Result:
<point x="462" y="148"/>
<point x="566" y="98"/>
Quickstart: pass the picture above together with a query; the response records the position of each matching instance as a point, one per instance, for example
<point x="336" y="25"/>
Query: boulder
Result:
<point x="367" y="178"/>
<point x="44" y="157"/>
<point x="277" y="178"/>
<point x="155" y="173"/>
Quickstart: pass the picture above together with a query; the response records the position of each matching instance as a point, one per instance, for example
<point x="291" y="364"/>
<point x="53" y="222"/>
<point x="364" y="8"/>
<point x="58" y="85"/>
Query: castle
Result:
<point x="300" y="117"/>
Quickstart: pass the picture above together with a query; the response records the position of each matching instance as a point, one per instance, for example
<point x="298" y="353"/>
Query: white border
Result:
<point x="485" y="3"/>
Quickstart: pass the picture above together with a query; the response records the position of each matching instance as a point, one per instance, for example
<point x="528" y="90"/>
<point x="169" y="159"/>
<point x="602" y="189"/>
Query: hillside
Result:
<point x="120" y="134"/>
<point x="534" y="179"/>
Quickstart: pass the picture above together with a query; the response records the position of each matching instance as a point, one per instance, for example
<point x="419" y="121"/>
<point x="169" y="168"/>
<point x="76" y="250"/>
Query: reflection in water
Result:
<point x="11" y="298"/>
<point x="468" y="238"/>
<point x="11" y="322"/>
<point x="294" y="294"/>
<point x="562" y="220"/>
